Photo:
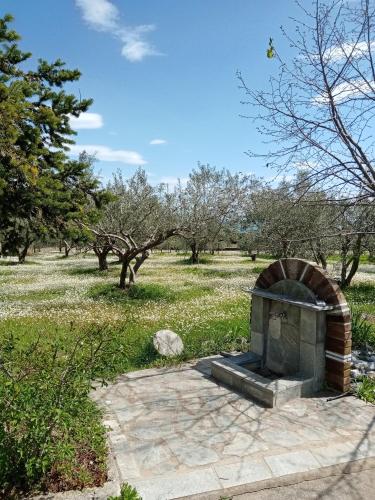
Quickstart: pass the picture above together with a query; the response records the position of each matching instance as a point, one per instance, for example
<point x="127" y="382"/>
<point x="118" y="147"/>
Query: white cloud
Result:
<point x="355" y="50"/>
<point x="346" y="90"/>
<point x="135" y="48"/>
<point x="104" y="153"/>
<point x="86" y="120"/>
<point x="156" y="142"/>
<point x="102" y="15"/>
<point x="173" y="181"/>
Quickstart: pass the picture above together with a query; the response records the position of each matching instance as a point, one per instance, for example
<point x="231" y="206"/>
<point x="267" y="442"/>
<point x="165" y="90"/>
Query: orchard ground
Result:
<point x="205" y="304"/>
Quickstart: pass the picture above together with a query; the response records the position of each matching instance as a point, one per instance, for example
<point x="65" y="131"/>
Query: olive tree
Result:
<point x="283" y="223"/>
<point x="140" y="218"/>
<point x="211" y="201"/>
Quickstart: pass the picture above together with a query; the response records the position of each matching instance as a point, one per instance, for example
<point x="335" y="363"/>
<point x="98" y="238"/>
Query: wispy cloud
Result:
<point x="86" y="120"/>
<point x="102" y="15"/>
<point x="104" y="153"/>
<point x="156" y="142"/>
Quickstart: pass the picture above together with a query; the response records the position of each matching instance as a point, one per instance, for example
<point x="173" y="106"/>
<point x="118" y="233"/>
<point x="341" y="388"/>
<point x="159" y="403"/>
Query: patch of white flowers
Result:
<point x="56" y="289"/>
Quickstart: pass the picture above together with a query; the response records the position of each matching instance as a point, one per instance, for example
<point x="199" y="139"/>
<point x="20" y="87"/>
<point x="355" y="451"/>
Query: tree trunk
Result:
<point x="139" y="260"/>
<point x="67" y="248"/>
<point x="194" y="253"/>
<point x="124" y="273"/>
<point x="285" y="249"/>
<point x="354" y="261"/>
<point x="127" y="276"/>
<point x="103" y="264"/>
<point x="319" y="256"/>
<point x="22" y="254"/>
<point x="344" y="261"/>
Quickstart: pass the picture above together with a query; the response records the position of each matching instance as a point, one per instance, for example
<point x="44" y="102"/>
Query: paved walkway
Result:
<point x="176" y="432"/>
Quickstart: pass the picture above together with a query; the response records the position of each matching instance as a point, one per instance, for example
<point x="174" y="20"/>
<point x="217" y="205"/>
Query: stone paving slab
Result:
<point x="176" y="432"/>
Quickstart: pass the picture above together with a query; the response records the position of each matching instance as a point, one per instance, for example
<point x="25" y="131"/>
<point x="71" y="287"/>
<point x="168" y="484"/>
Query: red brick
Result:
<point x="276" y="271"/>
<point x="339" y="330"/>
<point x="309" y="272"/>
<point x="342" y="347"/>
<point x="336" y="298"/>
<point x="293" y="268"/>
<point x="339" y="318"/>
<point x="317" y="281"/>
<point x="337" y="367"/>
<point x="338" y="381"/>
<point x="266" y="278"/>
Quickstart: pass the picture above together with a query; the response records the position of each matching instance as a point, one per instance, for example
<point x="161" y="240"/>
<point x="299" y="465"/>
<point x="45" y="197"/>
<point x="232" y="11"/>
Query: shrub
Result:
<point x="51" y="434"/>
<point x="127" y="493"/>
<point x="365" y="389"/>
<point x="362" y="331"/>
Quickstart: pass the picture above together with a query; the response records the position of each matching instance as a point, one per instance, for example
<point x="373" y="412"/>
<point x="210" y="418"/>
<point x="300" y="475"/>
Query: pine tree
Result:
<point x="41" y="189"/>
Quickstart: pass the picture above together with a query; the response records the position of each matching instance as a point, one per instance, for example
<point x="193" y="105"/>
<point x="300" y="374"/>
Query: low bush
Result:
<point x="51" y="436"/>
<point x="363" y="332"/>
<point x="112" y="293"/>
<point x="127" y="493"/>
<point x="365" y="389"/>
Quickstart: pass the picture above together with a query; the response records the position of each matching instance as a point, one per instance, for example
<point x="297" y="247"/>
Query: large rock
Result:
<point x="168" y="343"/>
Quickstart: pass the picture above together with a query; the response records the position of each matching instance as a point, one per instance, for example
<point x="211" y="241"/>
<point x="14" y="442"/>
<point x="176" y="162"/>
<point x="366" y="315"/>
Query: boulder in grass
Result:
<point x="168" y="343"/>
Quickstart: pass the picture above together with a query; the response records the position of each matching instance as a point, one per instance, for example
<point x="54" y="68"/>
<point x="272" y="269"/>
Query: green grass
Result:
<point x="16" y="263"/>
<point x="364" y="259"/>
<point x="361" y="297"/>
<point x="34" y="296"/>
<point x="258" y="269"/>
<point x="113" y="294"/>
<point x="205" y="259"/>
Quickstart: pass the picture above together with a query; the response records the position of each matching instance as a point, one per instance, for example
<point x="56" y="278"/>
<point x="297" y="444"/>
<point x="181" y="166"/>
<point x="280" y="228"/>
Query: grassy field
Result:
<point x="205" y="304"/>
<point x="69" y="308"/>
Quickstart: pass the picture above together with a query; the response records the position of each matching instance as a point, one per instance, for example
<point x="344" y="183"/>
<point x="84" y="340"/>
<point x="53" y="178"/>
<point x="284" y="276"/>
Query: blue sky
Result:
<point x="162" y="76"/>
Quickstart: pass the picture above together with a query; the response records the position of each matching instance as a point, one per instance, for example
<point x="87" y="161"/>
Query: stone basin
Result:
<point x="237" y="371"/>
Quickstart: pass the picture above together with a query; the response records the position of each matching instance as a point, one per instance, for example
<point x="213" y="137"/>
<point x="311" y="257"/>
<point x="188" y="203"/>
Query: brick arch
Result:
<point x="338" y="328"/>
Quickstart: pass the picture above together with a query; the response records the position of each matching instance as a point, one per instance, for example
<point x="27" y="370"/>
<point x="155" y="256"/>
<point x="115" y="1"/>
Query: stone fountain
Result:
<point x="300" y="336"/>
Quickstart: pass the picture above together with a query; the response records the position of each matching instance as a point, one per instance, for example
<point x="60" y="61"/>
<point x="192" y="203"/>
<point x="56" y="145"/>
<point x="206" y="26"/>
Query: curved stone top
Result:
<point x="313" y="277"/>
<point x="314" y="306"/>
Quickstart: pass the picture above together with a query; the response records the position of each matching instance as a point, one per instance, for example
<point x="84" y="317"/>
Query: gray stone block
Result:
<point x="307" y="359"/>
<point x="308" y="326"/>
<point x="256" y="391"/>
<point x="257" y="316"/>
<point x="257" y="342"/>
<point x="243" y="472"/>
<point x="291" y="463"/>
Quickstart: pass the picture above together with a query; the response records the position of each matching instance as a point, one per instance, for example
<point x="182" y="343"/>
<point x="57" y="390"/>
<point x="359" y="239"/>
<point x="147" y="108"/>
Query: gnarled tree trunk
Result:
<point x="102" y="252"/>
<point x="353" y="261"/>
<point x="194" y="253"/>
<point x="67" y="248"/>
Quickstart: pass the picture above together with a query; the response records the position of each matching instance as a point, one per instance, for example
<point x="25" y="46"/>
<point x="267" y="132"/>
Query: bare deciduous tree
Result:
<point x="318" y="114"/>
